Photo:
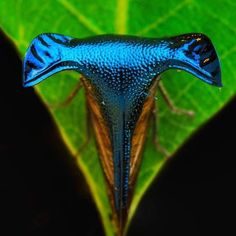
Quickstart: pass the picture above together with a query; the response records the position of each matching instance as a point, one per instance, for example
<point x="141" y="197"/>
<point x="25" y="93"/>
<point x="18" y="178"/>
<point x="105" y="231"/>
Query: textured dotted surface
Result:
<point x="121" y="70"/>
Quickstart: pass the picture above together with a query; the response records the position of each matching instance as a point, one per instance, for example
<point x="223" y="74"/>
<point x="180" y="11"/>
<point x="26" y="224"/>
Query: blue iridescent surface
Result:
<point x="122" y="70"/>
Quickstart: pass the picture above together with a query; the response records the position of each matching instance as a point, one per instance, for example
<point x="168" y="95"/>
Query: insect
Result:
<point x="119" y="72"/>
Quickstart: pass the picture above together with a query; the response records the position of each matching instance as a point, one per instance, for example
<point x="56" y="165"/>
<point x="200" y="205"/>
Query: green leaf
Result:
<point x="23" y="20"/>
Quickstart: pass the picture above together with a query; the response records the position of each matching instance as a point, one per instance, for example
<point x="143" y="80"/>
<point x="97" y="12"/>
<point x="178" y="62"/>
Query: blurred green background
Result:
<point x="21" y="21"/>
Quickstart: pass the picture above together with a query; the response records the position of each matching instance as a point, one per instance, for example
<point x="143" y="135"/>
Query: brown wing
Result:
<point x="103" y="141"/>
<point x="101" y="134"/>
<point x="140" y="133"/>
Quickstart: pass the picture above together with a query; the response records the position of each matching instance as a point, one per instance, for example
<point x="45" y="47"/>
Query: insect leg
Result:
<point x="155" y="126"/>
<point x="88" y="132"/>
<point x="70" y="97"/>
<point x="170" y="103"/>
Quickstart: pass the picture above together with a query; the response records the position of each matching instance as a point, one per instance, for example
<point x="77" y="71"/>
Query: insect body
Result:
<point x="119" y="72"/>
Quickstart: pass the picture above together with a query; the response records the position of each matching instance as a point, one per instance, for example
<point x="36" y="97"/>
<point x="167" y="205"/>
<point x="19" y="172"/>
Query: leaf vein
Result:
<point x="82" y="19"/>
<point x="221" y="20"/>
<point x="121" y="16"/>
<point x="164" y="18"/>
<point x="197" y="106"/>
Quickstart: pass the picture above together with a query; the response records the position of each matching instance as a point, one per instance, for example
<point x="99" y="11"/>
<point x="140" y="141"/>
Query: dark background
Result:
<point x="42" y="193"/>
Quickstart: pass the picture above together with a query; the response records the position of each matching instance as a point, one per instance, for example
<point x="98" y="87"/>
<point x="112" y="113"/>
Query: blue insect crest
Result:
<point x="121" y="69"/>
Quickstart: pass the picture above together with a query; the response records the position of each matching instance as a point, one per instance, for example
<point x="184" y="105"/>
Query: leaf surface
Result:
<point x="23" y="20"/>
